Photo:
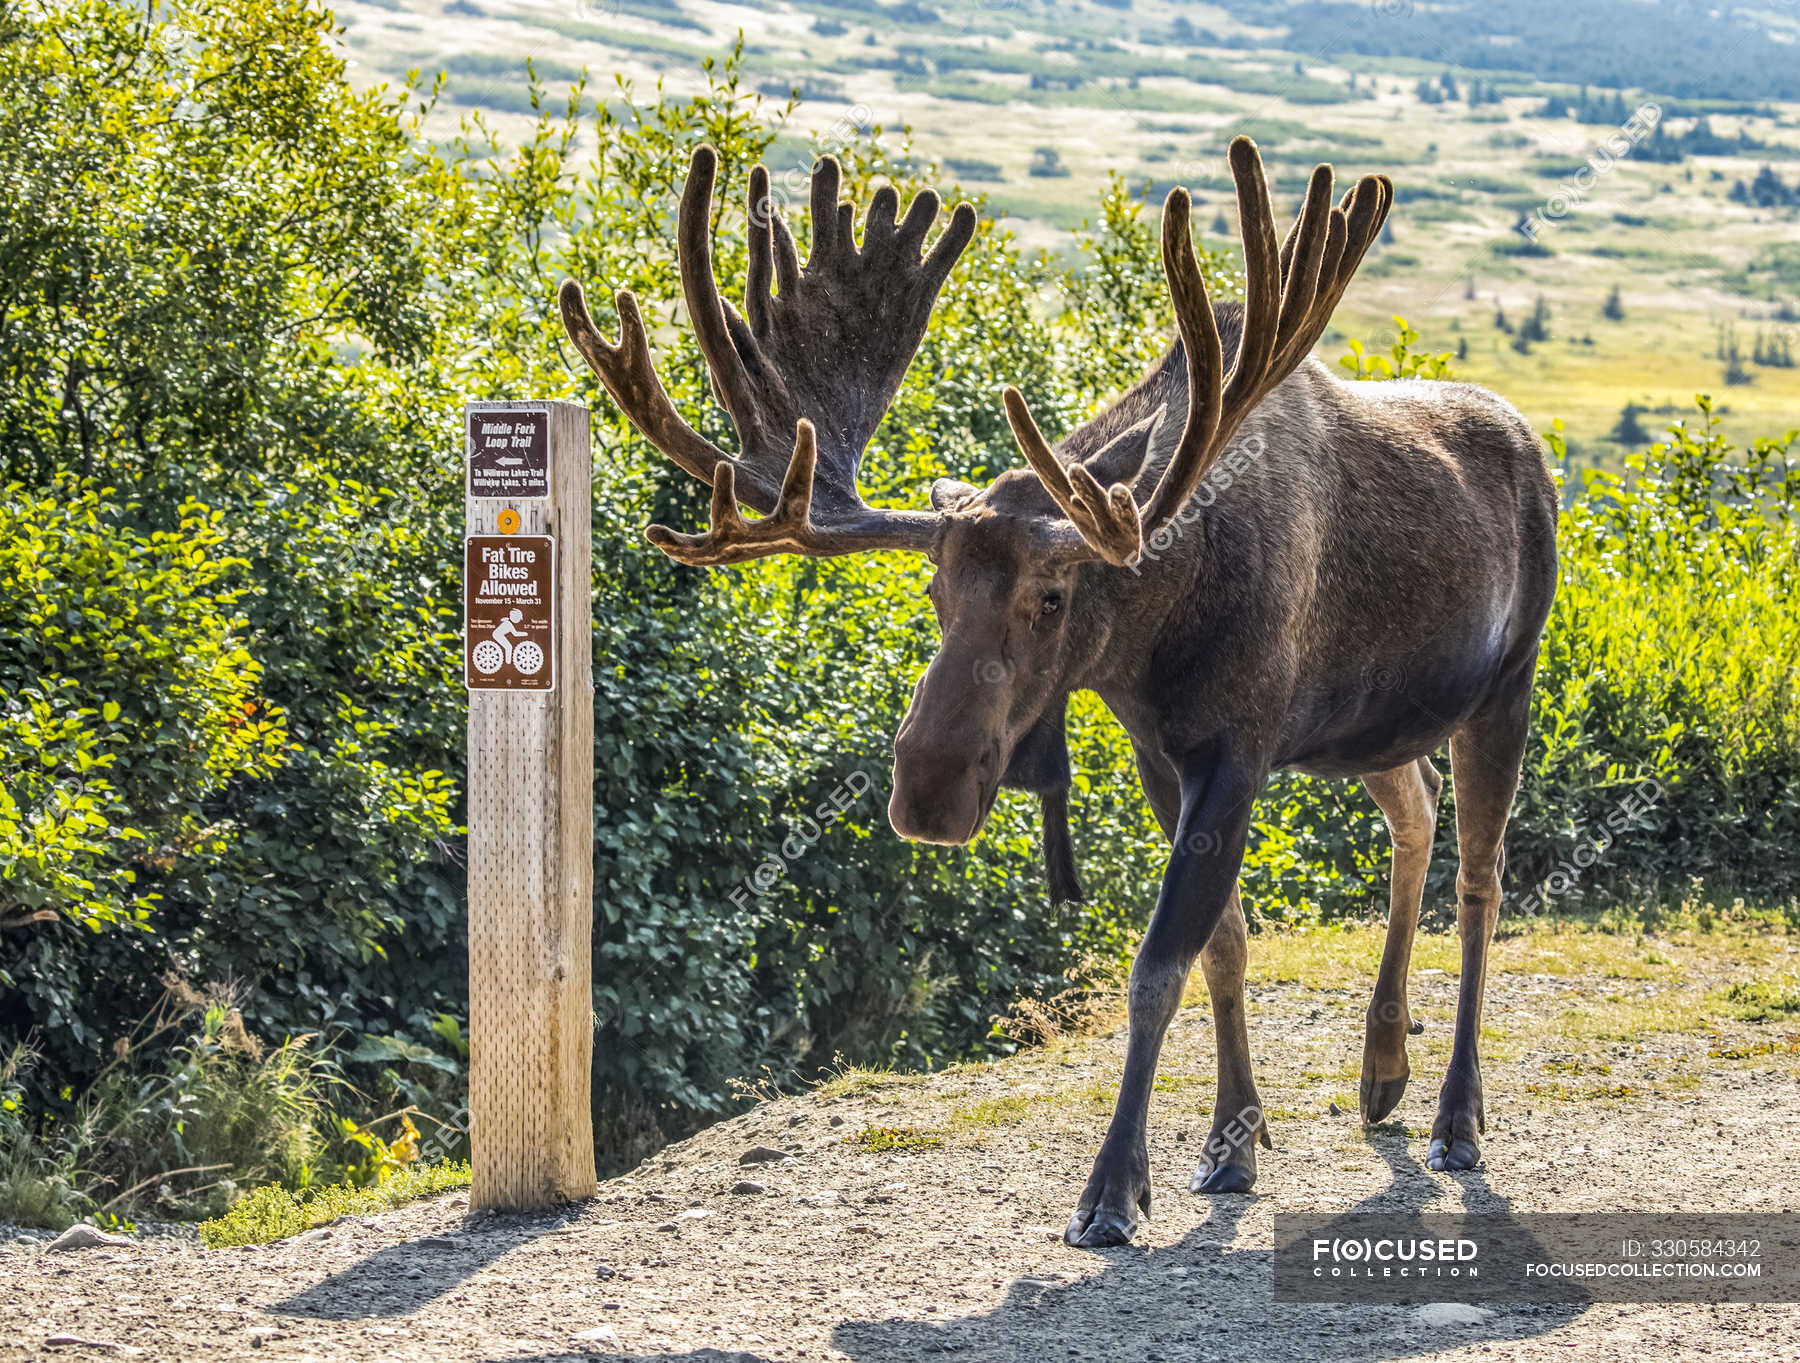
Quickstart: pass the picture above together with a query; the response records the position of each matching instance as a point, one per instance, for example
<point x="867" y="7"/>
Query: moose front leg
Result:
<point x="1197" y="889"/>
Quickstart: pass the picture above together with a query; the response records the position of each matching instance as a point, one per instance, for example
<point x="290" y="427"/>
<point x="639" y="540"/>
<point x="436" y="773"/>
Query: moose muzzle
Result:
<point x="946" y="765"/>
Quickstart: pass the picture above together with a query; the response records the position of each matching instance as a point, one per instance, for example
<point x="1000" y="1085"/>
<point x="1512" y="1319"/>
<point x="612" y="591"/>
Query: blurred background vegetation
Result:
<point x="244" y="301"/>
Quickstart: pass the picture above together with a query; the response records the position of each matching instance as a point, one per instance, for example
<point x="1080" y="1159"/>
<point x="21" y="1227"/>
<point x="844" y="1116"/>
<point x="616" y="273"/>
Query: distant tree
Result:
<point x="1447" y="83"/>
<point x="1537" y="326"/>
<point x="1387" y="233"/>
<point x="1613" y="309"/>
<point x="1500" y="319"/>
<point x="1462" y="348"/>
<point x="1740" y="194"/>
<point x="1219" y="226"/>
<point x="1736" y="374"/>
<point x="1769" y="190"/>
<point x="1773" y="351"/>
<point x="1047" y="162"/>
<point x="1628" y="430"/>
<point x="1469" y="287"/>
<point x="1659" y="147"/>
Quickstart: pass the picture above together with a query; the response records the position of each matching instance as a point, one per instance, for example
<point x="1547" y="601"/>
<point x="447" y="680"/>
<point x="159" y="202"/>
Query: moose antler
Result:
<point x="805" y="380"/>
<point x="1289" y="295"/>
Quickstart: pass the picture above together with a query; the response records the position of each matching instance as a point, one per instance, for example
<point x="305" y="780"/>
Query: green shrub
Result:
<point x="274" y="1213"/>
<point x="217" y="299"/>
<point x="127" y="700"/>
<point x="1672" y="657"/>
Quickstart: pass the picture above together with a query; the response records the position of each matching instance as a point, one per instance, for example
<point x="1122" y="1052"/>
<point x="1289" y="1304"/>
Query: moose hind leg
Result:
<point x="1485" y="756"/>
<point x="1228" y="1160"/>
<point x="1408" y="797"/>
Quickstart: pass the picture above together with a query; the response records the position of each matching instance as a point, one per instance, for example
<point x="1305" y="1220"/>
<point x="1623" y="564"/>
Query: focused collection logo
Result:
<point x="1395" y="1256"/>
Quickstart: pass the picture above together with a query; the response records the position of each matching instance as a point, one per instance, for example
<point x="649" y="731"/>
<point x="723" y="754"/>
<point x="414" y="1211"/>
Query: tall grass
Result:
<point x="39" y="1183"/>
<point x="191" y="1108"/>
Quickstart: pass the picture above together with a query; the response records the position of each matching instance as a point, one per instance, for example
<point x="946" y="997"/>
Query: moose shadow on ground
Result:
<point x="400" y="1279"/>
<point x="1199" y="1299"/>
<point x="1202" y="1299"/>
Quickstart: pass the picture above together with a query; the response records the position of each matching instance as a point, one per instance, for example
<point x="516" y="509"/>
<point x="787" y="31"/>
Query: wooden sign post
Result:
<point x="528" y="659"/>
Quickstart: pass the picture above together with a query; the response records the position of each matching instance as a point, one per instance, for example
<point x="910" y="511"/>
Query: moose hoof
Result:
<point x="1450" y="1156"/>
<point x="1100" y="1227"/>
<point x="1414" y="1027"/>
<point x="1116" y="1192"/>
<point x="1380" y="1097"/>
<point x="1222" y="1178"/>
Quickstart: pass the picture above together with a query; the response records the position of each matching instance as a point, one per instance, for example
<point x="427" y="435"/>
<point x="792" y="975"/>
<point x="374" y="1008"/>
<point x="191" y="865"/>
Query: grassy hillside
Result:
<point x="1481" y="118"/>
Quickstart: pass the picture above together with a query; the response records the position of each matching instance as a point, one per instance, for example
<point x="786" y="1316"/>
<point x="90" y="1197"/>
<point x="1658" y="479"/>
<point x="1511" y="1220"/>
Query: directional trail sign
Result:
<point x="509" y="452"/>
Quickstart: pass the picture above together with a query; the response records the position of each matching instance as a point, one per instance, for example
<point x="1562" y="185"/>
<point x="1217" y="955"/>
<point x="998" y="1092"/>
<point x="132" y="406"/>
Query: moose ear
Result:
<point x="947" y="492"/>
<point x="1122" y="457"/>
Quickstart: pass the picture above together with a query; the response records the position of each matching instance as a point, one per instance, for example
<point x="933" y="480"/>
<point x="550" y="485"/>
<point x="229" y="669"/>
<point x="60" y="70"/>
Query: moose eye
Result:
<point x="1052" y="603"/>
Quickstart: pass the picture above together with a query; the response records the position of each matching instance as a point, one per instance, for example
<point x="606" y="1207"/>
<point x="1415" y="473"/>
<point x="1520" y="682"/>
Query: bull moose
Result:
<point x="1371" y="585"/>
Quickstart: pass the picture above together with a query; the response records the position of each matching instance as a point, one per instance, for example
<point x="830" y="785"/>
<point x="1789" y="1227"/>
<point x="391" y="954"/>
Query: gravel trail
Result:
<point x="831" y="1250"/>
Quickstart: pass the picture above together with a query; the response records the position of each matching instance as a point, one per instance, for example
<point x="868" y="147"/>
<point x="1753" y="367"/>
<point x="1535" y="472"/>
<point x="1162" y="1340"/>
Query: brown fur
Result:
<point x="1339" y="578"/>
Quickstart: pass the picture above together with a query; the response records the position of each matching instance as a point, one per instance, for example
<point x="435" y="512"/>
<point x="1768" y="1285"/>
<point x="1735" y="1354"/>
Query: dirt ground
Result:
<point x="951" y="1249"/>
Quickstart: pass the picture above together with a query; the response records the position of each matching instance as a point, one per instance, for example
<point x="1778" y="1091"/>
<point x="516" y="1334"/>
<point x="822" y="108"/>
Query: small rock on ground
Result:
<point x="1450" y="1315"/>
<point x="87" y="1237"/>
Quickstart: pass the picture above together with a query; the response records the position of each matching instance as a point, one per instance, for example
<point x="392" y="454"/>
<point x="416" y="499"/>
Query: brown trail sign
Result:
<point x="509" y="613"/>
<point x="528" y="663"/>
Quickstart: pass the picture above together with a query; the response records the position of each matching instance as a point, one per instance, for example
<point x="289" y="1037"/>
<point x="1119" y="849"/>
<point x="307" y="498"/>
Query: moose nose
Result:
<point x="938" y="790"/>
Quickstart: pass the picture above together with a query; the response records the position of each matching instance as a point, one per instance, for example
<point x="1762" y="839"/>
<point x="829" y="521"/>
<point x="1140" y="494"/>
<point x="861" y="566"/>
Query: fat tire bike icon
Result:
<point x="499" y="648"/>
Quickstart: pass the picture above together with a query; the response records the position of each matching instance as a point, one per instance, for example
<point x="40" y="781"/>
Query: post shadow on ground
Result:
<point x="380" y="1287"/>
